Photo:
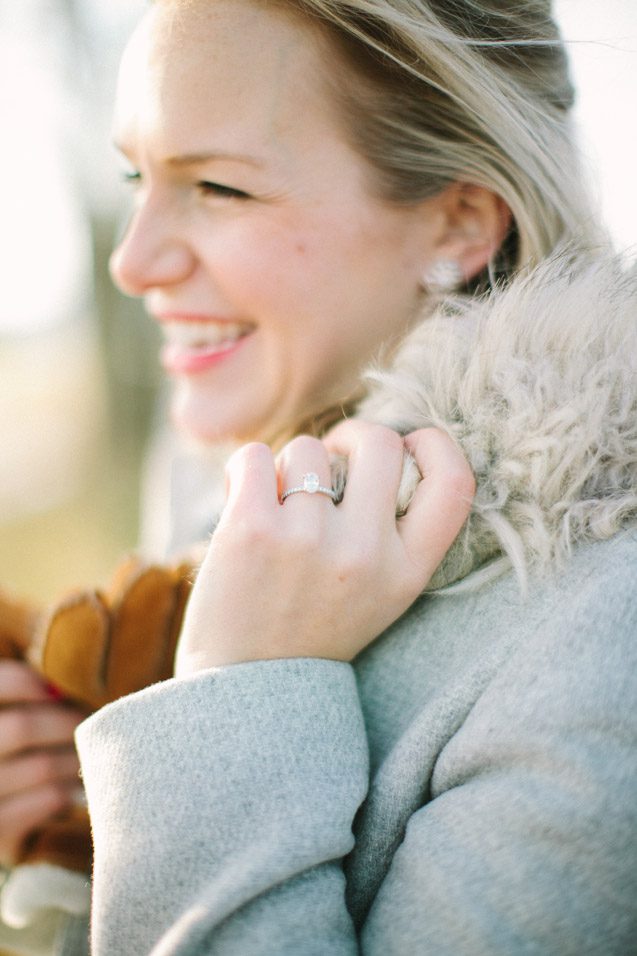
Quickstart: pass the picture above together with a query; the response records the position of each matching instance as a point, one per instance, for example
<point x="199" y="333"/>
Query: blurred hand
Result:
<point x="38" y="764"/>
<point x="307" y="578"/>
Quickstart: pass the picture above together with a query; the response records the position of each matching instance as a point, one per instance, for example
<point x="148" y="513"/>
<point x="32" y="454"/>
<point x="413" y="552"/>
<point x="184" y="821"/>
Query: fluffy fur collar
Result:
<point x="537" y="382"/>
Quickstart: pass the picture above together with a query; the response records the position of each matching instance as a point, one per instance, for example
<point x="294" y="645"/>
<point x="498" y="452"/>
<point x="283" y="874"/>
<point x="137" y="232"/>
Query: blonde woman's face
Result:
<point x="255" y="239"/>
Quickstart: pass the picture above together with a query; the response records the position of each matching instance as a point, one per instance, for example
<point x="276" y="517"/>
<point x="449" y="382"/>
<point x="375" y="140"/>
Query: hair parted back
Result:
<point x="437" y="91"/>
<point x="469" y="90"/>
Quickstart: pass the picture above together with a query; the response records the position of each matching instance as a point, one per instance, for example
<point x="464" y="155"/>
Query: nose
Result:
<point x="152" y="253"/>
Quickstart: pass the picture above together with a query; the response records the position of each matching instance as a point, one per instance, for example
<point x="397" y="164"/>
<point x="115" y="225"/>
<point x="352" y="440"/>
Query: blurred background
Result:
<point x="78" y="362"/>
<point x="78" y="366"/>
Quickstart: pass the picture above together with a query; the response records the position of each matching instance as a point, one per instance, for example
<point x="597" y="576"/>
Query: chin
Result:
<point x="204" y="432"/>
<point x="191" y="415"/>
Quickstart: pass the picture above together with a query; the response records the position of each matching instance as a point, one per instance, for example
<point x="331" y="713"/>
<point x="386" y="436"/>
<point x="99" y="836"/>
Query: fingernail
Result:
<point x="54" y="692"/>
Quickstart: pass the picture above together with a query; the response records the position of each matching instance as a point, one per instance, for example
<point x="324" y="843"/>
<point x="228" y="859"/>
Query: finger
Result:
<point x="442" y="500"/>
<point x="19" y="683"/>
<point x="375" y="455"/>
<point x="37" y="769"/>
<point x="25" y="812"/>
<point x="304" y="463"/>
<point x="251" y="478"/>
<point x="35" y="726"/>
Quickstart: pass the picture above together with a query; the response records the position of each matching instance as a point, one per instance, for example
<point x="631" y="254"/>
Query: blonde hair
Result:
<point x="439" y="91"/>
<point x="463" y="90"/>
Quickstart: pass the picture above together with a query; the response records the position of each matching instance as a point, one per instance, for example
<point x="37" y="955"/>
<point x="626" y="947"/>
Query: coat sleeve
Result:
<point x="222" y="806"/>
<point x="529" y="842"/>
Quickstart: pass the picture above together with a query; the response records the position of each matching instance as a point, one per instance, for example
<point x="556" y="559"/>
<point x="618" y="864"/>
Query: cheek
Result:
<point x="266" y="269"/>
<point x="317" y="286"/>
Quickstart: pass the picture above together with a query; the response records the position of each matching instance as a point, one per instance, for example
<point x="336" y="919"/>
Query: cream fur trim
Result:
<point x="537" y="383"/>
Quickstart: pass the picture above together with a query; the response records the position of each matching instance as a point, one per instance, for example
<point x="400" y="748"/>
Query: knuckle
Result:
<point x="461" y="481"/>
<point x="389" y="439"/>
<point x="304" y="444"/>
<point x="443" y="460"/>
<point x="359" y="427"/>
<point x="381" y="435"/>
<point x="253" y="454"/>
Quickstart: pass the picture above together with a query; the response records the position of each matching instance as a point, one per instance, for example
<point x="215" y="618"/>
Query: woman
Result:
<point x="336" y="768"/>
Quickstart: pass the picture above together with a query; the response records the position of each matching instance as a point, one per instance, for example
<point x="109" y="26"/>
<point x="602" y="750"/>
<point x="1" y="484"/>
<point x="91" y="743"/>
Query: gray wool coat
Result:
<point x="467" y="786"/>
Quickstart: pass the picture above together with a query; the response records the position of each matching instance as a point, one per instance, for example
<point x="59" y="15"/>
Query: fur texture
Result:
<point x="537" y="382"/>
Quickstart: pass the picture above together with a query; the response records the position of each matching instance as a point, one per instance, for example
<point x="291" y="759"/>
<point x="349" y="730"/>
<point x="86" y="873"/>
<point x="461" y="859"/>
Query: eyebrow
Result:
<point x="195" y="159"/>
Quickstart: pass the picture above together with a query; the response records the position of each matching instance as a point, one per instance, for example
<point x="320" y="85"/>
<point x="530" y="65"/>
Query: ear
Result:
<point x="472" y="225"/>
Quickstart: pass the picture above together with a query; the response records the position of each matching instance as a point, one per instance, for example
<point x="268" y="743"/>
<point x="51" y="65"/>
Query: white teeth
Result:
<point x="202" y="334"/>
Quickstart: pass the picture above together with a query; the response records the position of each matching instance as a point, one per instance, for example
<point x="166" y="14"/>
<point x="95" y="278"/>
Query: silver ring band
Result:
<point x="311" y="486"/>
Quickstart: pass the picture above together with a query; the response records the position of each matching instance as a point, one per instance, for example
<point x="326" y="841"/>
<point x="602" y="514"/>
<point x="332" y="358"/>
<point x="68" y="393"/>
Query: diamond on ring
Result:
<point x="311" y="483"/>
<point x="311" y="486"/>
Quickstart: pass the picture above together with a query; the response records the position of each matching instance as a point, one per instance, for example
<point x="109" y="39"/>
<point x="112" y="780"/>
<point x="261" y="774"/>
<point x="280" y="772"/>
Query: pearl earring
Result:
<point x="442" y="275"/>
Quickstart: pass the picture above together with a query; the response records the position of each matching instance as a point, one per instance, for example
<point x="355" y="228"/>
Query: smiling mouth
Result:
<point x="196" y="345"/>
<point x="203" y="335"/>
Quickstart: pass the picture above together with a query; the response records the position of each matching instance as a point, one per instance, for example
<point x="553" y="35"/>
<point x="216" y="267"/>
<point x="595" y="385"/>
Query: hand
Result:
<point x="307" y="578"/>
<point x="38" y="764"/>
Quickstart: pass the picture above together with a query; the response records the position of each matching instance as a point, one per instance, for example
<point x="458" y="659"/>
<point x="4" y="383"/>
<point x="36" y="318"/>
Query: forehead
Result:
<point x="232" y="67"/>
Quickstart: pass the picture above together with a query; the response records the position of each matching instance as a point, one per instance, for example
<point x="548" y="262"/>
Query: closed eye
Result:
<point x="132" y="177"/>
<point x="218" y="189"/>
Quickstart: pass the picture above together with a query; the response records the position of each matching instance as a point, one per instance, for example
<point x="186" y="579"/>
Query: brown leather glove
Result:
<point x="94" y="647"/>
<point x="97" y="646"/>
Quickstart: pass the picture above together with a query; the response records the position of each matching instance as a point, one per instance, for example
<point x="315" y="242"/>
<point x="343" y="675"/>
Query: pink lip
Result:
<point x="190" y="317"/>
<point x="178" y="360"/>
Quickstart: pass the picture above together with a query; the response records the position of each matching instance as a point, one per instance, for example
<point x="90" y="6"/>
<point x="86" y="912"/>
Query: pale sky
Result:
<point x="602" y="43"/>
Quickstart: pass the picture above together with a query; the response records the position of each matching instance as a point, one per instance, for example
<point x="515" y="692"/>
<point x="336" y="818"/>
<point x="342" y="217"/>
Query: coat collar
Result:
<point x="537" y="382"/>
